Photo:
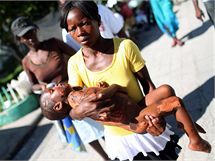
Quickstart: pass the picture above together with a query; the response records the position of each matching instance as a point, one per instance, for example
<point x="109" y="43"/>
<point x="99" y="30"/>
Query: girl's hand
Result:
<point x="91" y="106"/>
<point x="156" y="125"/>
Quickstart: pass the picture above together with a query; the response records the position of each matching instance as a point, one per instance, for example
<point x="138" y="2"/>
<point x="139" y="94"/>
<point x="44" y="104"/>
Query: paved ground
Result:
<point x="189" y="69"/>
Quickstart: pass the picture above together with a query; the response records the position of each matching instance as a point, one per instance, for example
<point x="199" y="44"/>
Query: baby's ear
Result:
<point x="58" y="106"/>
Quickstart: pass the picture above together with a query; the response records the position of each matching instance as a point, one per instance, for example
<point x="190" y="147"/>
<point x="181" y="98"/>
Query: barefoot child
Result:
<point x="56" y="103"/>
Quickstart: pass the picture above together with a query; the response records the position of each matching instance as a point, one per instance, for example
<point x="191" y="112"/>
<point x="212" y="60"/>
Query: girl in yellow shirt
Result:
<point x="115" y="61"/>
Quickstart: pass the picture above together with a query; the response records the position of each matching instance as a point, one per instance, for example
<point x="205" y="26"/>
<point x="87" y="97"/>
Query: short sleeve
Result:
<point x="74" y="77"/>
<point x="133" y="54"/>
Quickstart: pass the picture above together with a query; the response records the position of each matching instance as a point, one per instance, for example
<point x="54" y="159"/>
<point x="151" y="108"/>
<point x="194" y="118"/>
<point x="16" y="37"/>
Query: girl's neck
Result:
<point x="101" y="46"/>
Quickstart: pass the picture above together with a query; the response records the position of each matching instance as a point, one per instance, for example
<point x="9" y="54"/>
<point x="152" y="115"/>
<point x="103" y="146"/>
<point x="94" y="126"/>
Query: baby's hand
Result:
<point x="103" y="84"/>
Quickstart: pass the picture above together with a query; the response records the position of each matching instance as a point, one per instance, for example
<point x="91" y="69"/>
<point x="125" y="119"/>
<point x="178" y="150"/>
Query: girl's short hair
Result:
<point x="88" y="8"/>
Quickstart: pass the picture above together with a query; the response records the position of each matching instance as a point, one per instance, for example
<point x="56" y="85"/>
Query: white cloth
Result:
<point x="110" y="25"/>
<point x="206" y="0"/>
<point x="127" y="147"/>
<point x="60" y="131"/>
<point x="89" y="130"/>
<point x="69" y="40"/>
<point x="120" y="19"/>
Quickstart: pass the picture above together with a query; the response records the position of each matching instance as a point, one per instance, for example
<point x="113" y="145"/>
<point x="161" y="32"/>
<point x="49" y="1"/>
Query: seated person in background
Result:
<point x="57" y="102"/>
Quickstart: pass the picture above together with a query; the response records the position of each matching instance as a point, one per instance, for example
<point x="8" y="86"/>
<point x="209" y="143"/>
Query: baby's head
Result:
<point x="54" y="103"/>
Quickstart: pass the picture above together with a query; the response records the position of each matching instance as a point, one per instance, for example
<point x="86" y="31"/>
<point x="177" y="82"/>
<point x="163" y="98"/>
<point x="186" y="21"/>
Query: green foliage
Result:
<point x="10" y="76"/>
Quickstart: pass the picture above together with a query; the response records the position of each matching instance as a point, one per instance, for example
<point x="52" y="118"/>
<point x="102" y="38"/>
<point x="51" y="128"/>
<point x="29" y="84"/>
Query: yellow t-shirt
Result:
<point x="127" y="59"/>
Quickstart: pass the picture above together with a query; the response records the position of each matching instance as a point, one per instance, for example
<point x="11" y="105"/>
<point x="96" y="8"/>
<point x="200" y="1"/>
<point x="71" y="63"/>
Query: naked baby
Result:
<point x="56" y="103"/>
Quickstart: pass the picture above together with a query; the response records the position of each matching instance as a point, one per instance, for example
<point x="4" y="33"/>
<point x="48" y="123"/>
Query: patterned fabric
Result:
<point x="72" y="136"/>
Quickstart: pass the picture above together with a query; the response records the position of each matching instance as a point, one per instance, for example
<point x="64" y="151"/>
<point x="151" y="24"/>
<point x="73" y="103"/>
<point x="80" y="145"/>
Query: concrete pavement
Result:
<point x="189" y="70"/>
<point x="14" y="135"/>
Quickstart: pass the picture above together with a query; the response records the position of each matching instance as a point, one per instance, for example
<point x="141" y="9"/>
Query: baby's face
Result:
<point x="59" y="92"/>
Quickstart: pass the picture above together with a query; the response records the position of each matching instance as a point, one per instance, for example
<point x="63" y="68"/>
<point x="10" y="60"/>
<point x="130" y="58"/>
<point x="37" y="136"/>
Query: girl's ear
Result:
<point x="58" y="106"/>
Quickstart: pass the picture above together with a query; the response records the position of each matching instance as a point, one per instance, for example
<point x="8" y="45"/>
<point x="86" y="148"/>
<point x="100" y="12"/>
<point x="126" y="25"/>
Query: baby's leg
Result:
<point x="196" y="142"/>
<point x="151" y="101"/>
<point x="159" y="94"/>
<point x="158" y="109"/>
<point x="175" y="105"/>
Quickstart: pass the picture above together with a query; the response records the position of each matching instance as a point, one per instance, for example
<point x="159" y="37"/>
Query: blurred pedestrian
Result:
<point x="210" y="8"/>
<point x="166" y="19"/>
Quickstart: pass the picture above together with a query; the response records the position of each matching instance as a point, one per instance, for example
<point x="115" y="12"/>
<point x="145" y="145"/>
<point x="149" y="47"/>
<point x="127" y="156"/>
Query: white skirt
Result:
<point x="128" y="146"/>
<point x="88" y="130"/>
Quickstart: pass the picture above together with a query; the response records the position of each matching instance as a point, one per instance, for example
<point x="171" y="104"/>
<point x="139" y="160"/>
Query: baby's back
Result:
<point x="124" y="110"/>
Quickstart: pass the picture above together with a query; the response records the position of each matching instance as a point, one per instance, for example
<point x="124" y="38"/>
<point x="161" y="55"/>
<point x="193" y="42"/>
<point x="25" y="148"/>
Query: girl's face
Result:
<point x="84" y="30"/>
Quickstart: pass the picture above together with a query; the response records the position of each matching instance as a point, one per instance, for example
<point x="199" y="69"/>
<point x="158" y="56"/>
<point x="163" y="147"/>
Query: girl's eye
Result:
<point x="81" y="24"/>
<point x="84" y="23"/>
<point x="72" y="29"/>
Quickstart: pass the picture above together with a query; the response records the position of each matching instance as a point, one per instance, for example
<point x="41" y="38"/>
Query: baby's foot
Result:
<point x="202" y="145"/>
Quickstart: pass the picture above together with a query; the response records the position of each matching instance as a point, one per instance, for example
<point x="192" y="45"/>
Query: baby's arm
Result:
<point x="111" y="90"/>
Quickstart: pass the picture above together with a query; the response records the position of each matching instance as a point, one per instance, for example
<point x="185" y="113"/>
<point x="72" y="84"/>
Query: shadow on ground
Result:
<point x="144" y="38"/>
<point x="196" y="102"/>
<point x="33" y="143"/>
<point x="198" y="31"/>
<point x="13" y="140"/>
